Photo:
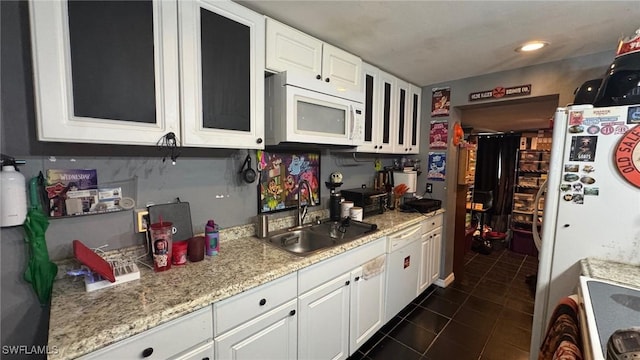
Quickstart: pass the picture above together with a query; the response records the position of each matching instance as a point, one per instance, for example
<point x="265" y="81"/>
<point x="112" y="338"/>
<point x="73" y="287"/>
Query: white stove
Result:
<point x="610" y="308"/>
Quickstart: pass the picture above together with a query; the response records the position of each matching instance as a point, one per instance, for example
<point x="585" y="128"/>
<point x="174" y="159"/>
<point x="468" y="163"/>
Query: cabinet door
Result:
<point x="400" y="143"/>
<point x="413" y="128"/>
<point x="222" y="74"/>
<point x="341" y="69"/>
<point x="270" y="336"/>
<point x="105" y="72"/>
<point x="430" y="261"/>
<point x="291" y="50"/>
<point x="204" y="352"/>
<point x="424" y="280"/>
<point x="436" y="244"/>
<point x="387" y="109"/>
<point x="372" y="119"/>
<point x="324" y="321"/>
<point x="367" y="307"/>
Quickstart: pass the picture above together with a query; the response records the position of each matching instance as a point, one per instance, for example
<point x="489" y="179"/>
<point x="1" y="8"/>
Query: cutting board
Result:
<point x="177" y="213"/>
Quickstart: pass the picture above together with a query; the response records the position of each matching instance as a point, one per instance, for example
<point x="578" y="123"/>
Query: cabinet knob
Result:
<point x="327" y="80"/>
<point x="318" y="77"/>
<point x="205" y="358"/>
<point x="259" y="140"/>
<point x="357" y="278"/>
<point x="292" y="312"/>
<point x="147" y="352"/>
<point x="375" y="146"/>
<point x="263" y="301"/>
<point x="380" y="147"/>
<point x="347" y="283"/>
<point x="566" y="225"/>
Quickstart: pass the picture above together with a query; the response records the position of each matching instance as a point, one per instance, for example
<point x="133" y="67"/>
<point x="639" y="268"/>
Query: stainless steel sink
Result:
<point x="307" y="239"/>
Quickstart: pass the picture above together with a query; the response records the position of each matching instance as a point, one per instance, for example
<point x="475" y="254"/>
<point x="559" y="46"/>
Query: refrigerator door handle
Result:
<point x="534" y="227"/>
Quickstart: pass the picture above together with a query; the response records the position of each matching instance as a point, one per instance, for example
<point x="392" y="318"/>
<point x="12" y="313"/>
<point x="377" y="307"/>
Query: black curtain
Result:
<point x="495" y="171"/>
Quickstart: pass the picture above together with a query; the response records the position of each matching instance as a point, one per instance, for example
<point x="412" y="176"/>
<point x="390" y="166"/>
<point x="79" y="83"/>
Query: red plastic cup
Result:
<point x="179" y="253"/>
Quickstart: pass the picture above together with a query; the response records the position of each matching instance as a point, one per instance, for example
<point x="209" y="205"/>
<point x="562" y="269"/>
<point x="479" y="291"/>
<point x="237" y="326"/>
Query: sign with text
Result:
<point x="501" y="92"/>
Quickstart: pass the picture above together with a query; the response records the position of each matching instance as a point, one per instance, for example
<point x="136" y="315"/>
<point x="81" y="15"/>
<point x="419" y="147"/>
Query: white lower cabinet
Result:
<point x="367" y="306"/>
<point x="270" y="336"/>
<point x="324" y="321"/>
<point x="166" y="341"/>
<point x="261" y="323"/>
<point x="340" y="307"/>
<point x="431" y="248"/>
<point x="204" y="352"/>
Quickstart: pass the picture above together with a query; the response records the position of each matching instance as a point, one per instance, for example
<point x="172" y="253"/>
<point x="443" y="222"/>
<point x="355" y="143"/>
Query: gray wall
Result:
<point x="557" y="78"/>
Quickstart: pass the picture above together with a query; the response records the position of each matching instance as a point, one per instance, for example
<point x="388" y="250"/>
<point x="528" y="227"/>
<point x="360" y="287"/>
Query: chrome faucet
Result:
<point x="302" y="210"/>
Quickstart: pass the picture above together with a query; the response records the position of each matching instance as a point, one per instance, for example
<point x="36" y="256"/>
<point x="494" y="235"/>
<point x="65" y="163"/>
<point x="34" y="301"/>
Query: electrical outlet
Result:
<point x="142" y="216"/>
<point x="429" y="188"/>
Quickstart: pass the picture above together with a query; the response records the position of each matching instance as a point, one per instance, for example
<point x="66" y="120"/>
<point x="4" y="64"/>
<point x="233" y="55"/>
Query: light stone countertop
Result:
<point x="625" y="274"/>
<point x="82" y="322"/>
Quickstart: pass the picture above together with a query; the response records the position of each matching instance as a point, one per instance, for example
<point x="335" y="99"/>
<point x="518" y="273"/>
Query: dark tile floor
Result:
<point x="486" y="315"/>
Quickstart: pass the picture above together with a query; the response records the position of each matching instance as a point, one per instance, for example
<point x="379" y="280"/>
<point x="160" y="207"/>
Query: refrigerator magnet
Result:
<point x="583" y="148"/>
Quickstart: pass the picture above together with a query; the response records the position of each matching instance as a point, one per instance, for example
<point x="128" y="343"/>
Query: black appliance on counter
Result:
<point x="422" y="205"/>
<point x="370" y="200"/>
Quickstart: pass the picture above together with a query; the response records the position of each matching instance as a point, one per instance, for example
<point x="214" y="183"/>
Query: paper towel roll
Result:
<point x="344" y="207"/>
<point x="355" y="213"/>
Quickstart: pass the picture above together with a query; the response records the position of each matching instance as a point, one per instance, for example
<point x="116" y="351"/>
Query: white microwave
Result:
<point x="296" y="114"/>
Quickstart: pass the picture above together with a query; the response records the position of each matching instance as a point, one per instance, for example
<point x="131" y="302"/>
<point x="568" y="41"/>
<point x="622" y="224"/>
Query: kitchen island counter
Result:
<point x="82" y="322"/>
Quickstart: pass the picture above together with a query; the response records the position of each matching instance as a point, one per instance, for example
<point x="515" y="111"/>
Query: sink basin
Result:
<point x="307" y="239"/>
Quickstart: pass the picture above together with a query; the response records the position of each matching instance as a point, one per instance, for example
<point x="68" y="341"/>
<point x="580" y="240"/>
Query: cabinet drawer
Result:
<point x="164" y="341"/>
<point x="432" y="223"/>
<point x="312" y="276"/>
<point x="238" y="309"/>
<point x="203" y="352"/>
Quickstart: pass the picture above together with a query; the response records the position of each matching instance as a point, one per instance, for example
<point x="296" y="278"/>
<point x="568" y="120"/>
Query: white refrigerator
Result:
<point x="592" y="204"/>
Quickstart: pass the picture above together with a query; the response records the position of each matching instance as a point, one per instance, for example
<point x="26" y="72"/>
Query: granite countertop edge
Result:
<point x="82" y="322"/>
<point x="621" y="273"/>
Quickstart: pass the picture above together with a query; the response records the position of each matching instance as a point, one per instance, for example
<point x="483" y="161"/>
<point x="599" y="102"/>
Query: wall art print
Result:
<point x="280" y="176"/>
<point x="437" y="166"/>
<point x="440" y="102"/>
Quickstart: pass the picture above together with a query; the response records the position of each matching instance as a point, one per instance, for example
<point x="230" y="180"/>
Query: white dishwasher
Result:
<point x="404" y="252"/>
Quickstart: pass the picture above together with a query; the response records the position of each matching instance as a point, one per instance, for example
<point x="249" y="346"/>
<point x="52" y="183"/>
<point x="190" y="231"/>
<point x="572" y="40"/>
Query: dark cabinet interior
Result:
<point x="226" y="73"/>
<point x="112" y="60"/>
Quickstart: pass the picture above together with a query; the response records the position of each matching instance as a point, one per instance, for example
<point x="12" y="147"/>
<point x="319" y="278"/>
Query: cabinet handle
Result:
<point x="263" y="301"/>
<point x="357" y="278"/>
<point x="259" y="140"/>
<point x="347" y="283"/>
<point x="292" y="312"/>
<point x="147" y="352"/>
<point x="327" y="80"/>
<point x="318" y="77"/>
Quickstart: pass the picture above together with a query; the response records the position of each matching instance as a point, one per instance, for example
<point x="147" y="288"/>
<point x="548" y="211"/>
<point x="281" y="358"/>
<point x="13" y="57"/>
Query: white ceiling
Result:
<point x="429" y="42"/>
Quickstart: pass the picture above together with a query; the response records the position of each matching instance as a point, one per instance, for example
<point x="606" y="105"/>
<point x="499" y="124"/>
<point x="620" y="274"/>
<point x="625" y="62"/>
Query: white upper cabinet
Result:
<point x="327" y="67"/>
<point x="221" y="68"/>
<point x="105" y="72"/>
<point x="119" y="72"/>
<point x="380" y="110"/>
<point x="391" y="113"/>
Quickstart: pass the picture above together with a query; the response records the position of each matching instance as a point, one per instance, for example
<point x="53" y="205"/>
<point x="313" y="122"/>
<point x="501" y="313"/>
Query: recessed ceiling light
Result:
<point x="532" y="46"/>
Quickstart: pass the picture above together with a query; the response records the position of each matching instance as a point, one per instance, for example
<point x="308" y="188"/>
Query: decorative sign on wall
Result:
<point x="438" y="135"/>
<point x="501" y="92"/>
<point x="280" y="176"/>
<point x="440" y="101"/>
<point x="437" y="166"/>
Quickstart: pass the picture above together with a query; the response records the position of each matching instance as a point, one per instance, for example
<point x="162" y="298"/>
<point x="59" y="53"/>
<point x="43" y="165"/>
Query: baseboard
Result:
<point x="446" y="282"/>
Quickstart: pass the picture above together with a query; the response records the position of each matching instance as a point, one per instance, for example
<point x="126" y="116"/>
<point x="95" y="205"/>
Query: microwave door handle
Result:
<point x="352" y="121"/>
